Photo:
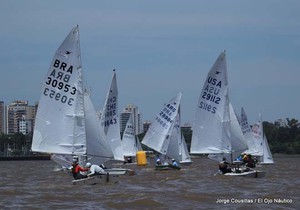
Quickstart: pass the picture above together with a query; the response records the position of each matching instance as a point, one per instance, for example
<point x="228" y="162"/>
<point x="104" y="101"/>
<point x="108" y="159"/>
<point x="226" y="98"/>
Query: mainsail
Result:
<point x="267" y="155"/>
<point x="98" y="149"/>
<point x="216" y="129"/>
<point x="60" y="124"/>
<point x="254" y="145"/>
<point x="258" y="132"/>
<point x="211" y="128"/>
<point x="110" y="126"/>
<point x="66" y="121"/>
<point x="130" y="142"/>
<point x="158" y="134"/>
<point x="177" y="148"/>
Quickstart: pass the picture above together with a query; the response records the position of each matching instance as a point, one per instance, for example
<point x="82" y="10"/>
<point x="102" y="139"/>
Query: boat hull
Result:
<point x="119" y="171"/>
<point x="248" y="174"/>
<point x="97" y="179"/>
<point x="166" y="167"/>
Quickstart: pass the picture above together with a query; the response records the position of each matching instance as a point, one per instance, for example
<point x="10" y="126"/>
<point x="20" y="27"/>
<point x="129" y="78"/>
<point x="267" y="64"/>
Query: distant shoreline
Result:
<point x="277" y="155"/>
<point x="48" y="157"/>
<point x="32" y="157"/>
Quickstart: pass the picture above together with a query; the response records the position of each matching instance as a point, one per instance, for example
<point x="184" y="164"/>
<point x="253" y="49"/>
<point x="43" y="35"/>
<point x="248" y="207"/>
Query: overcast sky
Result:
<point x="159" y="48"/>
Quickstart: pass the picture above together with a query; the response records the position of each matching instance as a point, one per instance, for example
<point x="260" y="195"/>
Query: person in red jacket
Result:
<point x="76" y="169"/>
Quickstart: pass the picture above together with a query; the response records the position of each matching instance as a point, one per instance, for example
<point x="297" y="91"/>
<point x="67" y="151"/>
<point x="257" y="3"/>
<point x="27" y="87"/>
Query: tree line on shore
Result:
<point x="282" y="139"/>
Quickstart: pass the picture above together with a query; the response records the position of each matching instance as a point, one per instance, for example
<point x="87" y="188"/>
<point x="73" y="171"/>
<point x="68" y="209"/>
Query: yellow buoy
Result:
<point x="141" y="159"/>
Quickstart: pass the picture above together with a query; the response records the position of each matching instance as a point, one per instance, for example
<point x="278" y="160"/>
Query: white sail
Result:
<point x="211" y="128"/>
<point x="110" y="125"/>
<point x="157" y="136"/>
<point x="177" y="148"/>
<point x="216" y="129"/>
<point x="60" y="125"/>
<point x="138" y="143"/>
<point x="237" y="138"/>
<point x="98" y="149"/>
<point x="129" y="141"/>
<point x="253" y="145"/>
<point x="267" y="155"/>
<point x="258" y="132"/>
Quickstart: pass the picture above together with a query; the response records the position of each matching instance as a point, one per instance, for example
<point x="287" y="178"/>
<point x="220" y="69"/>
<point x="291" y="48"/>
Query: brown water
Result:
<point x="35" y="185"/>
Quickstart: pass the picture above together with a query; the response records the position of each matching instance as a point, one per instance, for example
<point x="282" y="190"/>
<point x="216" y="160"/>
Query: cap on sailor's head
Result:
<point x="75" y="159"/>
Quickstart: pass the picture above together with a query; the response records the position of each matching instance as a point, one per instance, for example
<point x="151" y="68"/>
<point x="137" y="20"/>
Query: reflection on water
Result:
<point x="35" y="184"/>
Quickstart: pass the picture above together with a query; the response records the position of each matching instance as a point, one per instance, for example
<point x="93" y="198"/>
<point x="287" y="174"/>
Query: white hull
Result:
<point x="119" y="171"/>
<point x="249" y="174"/>
<point x="185" y="163"/>
<point x="97" y="179"/>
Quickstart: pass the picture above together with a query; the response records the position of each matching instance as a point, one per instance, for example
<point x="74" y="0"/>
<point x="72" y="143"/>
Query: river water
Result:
<point x="36" y="185"/>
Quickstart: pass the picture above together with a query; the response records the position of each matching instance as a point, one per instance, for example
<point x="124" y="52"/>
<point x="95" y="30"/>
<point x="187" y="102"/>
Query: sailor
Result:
<point x="103" y="166"/>
<point x="223" y="166"/>
<point x="239" y="158"/>
<point x="250" y="162"/>
<point x="77" y="169"/>
<point x="245" y="157"/>
<point x="129" y="160"/>
<point x="174" y="163"/>
<point x="94" y="169"/>
<point x="158" y="161"/>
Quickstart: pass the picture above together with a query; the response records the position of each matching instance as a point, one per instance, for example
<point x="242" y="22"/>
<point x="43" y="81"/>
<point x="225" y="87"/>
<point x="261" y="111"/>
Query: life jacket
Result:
<point x="222" y="165"/>
<point x="74" y="168"/>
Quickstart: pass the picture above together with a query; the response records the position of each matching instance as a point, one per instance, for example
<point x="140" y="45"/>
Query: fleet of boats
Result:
<point x="67" y="123"/>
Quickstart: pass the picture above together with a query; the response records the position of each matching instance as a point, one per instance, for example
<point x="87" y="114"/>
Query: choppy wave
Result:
<point x="35" y="185"/>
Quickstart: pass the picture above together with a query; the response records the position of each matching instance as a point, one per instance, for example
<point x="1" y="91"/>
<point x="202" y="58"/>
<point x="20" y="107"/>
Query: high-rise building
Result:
<point x="124" y="117"/>
<point x="20" y="117"/>
<point x="280" y="123"/>
<point x="136" y="115"/>
<point x="2" y="118"/>
<point x="146" y="125"/>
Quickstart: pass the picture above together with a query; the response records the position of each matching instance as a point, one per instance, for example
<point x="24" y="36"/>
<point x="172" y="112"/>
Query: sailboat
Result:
<point x="267" y="157"/>
<point x="158" y="134"/>
<point x="130" y="141"/>
<point x="259" y="135"/>
<point x="254" y="144"/>
<point x="216" y="130"/>
<point x="110" y="124"/>
<point x="177" y="148"/>
<point x="66" y="123"/>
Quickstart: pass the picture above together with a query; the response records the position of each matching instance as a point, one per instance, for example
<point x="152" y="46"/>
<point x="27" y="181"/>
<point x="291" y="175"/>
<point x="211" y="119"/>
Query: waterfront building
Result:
<point x="133" y="110"/>
<point x="20" y="117"/>
<point x="2" y="117"/>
